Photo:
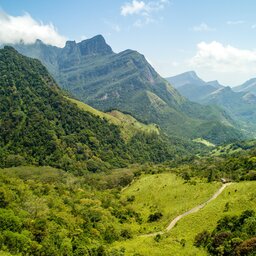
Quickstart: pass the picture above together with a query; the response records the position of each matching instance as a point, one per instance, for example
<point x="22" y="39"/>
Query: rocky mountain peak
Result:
<point x="94" y="46"/>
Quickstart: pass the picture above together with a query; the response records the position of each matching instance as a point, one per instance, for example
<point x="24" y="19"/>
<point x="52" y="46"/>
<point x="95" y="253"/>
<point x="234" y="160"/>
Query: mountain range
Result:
<point x="125" y="81"/>
<point x="239" y="102"/>
<point x="41" y="126"/>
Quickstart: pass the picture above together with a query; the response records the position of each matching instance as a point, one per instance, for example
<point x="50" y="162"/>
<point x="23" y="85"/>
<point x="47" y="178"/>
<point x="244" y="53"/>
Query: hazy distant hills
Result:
<point x="239" y="102"/>
<point x="125" y="81"/>
<point x="193" y="87"/>
<point x="248" y="86"/>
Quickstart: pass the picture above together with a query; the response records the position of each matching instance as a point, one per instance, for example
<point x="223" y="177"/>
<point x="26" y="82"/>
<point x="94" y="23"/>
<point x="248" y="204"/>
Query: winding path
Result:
<point x="195" y="209"/>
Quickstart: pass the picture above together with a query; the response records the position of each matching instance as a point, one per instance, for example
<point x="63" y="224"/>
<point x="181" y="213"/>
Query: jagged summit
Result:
<point x="96" y="75"/>
<point x="185" y="78"/>
<point x="95" y="45"/>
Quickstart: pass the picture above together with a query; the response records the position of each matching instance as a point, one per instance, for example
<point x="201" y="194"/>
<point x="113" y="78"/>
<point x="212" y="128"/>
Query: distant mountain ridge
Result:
<point x="193" y="87"/>
<point x="239" y="102"/>
<point x="125" y="81"/>
<point x="248" y="86"/>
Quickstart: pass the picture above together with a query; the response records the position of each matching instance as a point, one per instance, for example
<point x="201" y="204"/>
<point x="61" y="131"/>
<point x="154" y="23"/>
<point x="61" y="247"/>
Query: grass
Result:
<point x="165" y="193"/>
<point x="179" y="241"/>
<point x="128" y="124"/>
<point x="204" y="142"/>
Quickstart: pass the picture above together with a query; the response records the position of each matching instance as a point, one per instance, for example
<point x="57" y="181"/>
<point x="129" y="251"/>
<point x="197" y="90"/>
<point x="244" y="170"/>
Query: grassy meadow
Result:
<point x="175" y="199"/>
<point x="167" y="194"/>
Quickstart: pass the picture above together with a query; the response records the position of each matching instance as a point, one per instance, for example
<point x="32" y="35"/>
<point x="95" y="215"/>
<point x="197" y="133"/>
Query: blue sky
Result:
<point x="216" y="38"/>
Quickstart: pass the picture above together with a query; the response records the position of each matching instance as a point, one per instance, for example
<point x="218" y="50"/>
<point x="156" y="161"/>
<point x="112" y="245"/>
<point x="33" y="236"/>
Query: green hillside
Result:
<point x="127" y="124"/>
<point x="233" y="201"/>
<point x="46" y="211"/>
<point x="164" y="193"/>
<point x="125" y="81"/>
<point x="40" y="126"/>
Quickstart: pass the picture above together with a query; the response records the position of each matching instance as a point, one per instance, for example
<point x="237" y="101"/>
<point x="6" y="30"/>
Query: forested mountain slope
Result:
<point x="40" y="126"/>
<point x="96" y="75"/>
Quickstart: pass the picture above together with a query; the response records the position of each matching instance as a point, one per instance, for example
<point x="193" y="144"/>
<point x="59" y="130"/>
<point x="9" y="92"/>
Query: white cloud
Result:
<point x="219" y="58"/>
<point x="145" y="10"/>
<point x="142" y="8"/>
<point x="253" y="26"/>
<point x="203" y="27"/>
<point x="235" y="22"/>
<point x="14" y="29"/>
<point x="135" y="7"/>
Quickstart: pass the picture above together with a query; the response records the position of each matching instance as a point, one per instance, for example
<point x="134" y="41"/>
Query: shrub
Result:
<point x="155" y="216"/>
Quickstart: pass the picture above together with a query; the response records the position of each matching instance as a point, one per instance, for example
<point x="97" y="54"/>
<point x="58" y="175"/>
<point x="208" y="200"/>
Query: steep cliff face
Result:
<point x="125" y="81"/>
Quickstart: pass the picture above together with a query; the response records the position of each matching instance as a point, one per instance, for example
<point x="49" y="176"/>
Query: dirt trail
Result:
<point x="195" y="209"/>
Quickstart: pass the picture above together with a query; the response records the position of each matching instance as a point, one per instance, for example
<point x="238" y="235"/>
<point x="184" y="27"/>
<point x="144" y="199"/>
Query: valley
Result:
<point x="180" y="240"/>
<point x="76" y="180"/>
<point x="109" y="146"/>
<point x="125" y="81"/>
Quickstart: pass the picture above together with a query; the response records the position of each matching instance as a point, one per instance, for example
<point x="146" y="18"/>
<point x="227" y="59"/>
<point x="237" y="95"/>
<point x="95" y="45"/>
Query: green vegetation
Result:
<point x="167" y="194"/>
<point x="127" y="124"/>
<point x="97" y="183"/>
<point x="235" y="162"/>
<point x="234" y="235"/>
<point x="44" y="211"/>
<point x="234" y="148"/>
<point x="238" y="102"/>
<point x="126" y="82"/>
<point x="235" y="199"/>
<point x="204" y="142"/>
<point x="40" y="126"/>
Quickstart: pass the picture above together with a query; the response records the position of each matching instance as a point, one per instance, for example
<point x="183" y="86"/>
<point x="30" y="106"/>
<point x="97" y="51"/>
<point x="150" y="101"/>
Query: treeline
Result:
<point x="233" y="236"/>
<point x="237" y="166"/>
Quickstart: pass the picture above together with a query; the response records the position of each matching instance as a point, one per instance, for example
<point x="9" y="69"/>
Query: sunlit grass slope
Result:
<point x="235" y="199"/>
<point x="128" y="124"/>
<point x="167" y="194"/>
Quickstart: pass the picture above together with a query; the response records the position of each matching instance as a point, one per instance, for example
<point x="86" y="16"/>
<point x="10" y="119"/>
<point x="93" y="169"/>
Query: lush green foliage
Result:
<point x="128" y="83"/>
<point x="127" y="124"/>
<point x="159" y="198"/>
<point x="40" y="126"/>
<point x="234" y="235"/>
<point x="44" y="211"/>
<point x="234" y="162"/>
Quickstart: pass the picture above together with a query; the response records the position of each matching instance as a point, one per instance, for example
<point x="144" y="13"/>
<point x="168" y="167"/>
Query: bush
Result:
<point x="157" y="238"/>
<point x="202" y="239"/>
<point x="155" y="216"/>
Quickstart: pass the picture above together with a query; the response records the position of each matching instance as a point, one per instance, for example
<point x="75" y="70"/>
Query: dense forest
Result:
<point x="40" y="126"/>
<point x="44" y="211"/>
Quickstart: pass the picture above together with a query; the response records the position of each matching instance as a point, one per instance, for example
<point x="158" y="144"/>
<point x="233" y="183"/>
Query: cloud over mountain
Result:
<point x="14" y="29"/>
